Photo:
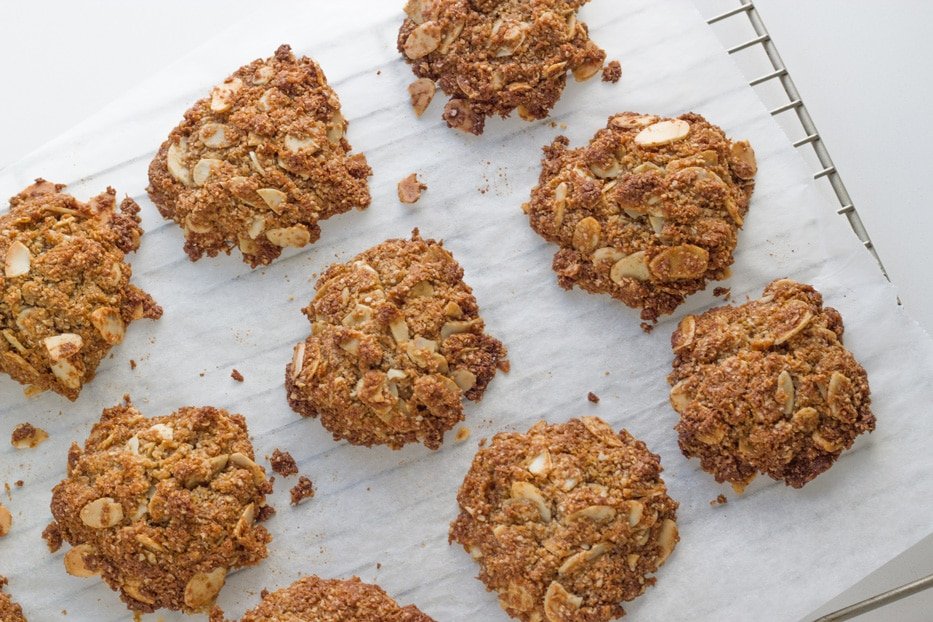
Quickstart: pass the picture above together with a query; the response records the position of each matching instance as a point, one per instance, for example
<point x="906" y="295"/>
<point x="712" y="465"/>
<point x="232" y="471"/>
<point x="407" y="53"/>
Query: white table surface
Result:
<point x="862" y="68"/>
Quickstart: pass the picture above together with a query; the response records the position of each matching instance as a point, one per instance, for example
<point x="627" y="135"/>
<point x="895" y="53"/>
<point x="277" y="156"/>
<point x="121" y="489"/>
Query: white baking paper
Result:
<point x="773" y="554"/>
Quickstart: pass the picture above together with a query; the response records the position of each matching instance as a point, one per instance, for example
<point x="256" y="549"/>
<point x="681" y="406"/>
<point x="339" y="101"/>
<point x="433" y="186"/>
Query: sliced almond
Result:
<point x="744" y="155"/>
<point x="222" y="95"/>
<point x="541" y="464"/>
<point x="202" y="170"/>
<point x="456" y="327"/>
<point x="839" y="387"/>
<point x="296" y="236"/>
<point x="578" y="560"/>
<point x="63" y="346"/>
<point x="422" y="289"/>
<point x="825" y="444"/>
<point x="453" y="33"/>
<point x="18" y="260"/>
<point x="297" y="145"/>
<point x="799" y="310"/>
<point x="422" y="91"/>
<point x="67" y="373"/>
<point x="464" y="378"/>
<point x="134" y="589"/>
<point x="175" y="162"/>
<point x="607" y="170"/>
<point x="662" y="133"/>
<point x="214" y="135"/>
<point x="684" y="334"/>
<point x="414" y="9"/>
<point x="109" y="323"/>
<point x="202" y="589"/>
<point x="807" y="419"/>
<point x="273" y="198"/>
<point x="679" y="397"/>
<point x="6" y="521"/>
<point x="657" y="224"/>
<point x="586" y="235"/>
<point x="584" y="72"/>
<point x="298" y="358"/>
<point x="785" y="392"/>
<point x="423" y="40"/>
<point x="680" y="263"/>
<point x="527" y="491"/>
<point x="102" y="513"/>
<point x="76" y="562"/>
<point x="559" y="604"/>
<point x="667" y="540"/>
<point x="607" y="255"/>
<point x="27" y="436"/>
<point x="635" y="266"/>
<point x="636" y="509"/>
<point x="256" y="226"/>
<point x="594" y="513"/>
<point x="399" y="328"/>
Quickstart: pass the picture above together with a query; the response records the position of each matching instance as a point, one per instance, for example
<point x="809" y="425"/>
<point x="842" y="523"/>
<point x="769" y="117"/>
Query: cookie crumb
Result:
<point x="265" y="513"/>
<point x="52" y="535"/>
<point x="505" y="366"/>
<point x="378" y="566"/>
<point x="132" y="364"/>
<point x="612" y="72"/>
<point x="723" y="292"/>
<point x="720" y="500"/>
<point x="422" y="92"/>
<point x="647" y="327"/>
<point x="6" y="520"/>
<point x="19" y="483"/>
<point x="25" y="436"/>
<point x="304" y="489"/>
<point x="592" y="397"/>
<point x="283" y="463"/>
<point x="410" y="189"/>
<point x="236" y="375"/>
<point x="462" y="434"/>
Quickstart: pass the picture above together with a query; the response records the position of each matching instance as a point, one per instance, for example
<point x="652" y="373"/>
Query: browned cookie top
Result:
<point x="9" y="611"/>
<point x="257" y="164"/>
<point x="65" y="292"/>
<point x="162" y="508"/>
<point x="768" y="387"/>
<point x="313" y="599"/>
<point x="396" y="342"/>
<point x="566" y="521"/>
<point x="493" y="56"/>
<point x="648" y="212"/>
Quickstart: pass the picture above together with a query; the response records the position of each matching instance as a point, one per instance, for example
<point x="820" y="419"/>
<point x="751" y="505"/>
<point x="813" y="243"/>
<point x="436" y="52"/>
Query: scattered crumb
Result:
<point x="462" y="434"/>
<point x="263" y="593"/>
<point x="9" y="491"/>
<point x="724" y="292"/>
<point x="379" y="72"/>
<point x="25" y="436"/>
<point x="201" y="374"/>
<point x="482" y="442"/>
<point x="720" y="500"/>
<point x="283" y="463"/>
<point x="422" y="91"/>
<point x="236" y="375"/>
<point x="553" y="124"/>
<point x="505" y="366"/>
<point x="592" y="397"/>
<point x="378" y="566"/>
<point x="132" y="364"/>
<point x="19" y="483"/>
<point x="53" y="537"/>
<point x="612" y="72"/>
<point x="647" y="327"/>
<point x="304" y="489"/>
<point x="410" y="189"/>
<point x="265" y="513"/>
<point x="6" y="520"/>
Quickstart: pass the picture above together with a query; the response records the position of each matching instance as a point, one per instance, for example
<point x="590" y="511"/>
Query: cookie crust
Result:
<point x="768" y="387"/>
<point x="65" y="292"/>
<point x="9" y="611"/>
<point x="495" y="56"/>
<point x="648" y="212"/>
<point x="396" y="343"/>
<point x="162" y="508"/>
<point x="259" y="162"/>
<point x="566" y="521"/>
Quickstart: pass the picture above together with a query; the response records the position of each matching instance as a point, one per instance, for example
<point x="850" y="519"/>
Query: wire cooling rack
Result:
<point x="776" y="84"/>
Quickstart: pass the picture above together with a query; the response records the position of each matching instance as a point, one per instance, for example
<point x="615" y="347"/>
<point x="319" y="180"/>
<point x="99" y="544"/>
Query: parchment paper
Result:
<point x="773" y="554"/>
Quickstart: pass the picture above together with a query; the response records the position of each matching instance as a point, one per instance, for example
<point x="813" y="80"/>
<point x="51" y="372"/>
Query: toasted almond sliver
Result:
<point x="63" y="346"/>
<point x="102" y="513"/>
<point x="75" y="563"/>
<point x="202" y="589"/>
<point x="634" y="266"/>
<point x="175" y="162"/>
<point x="18" y="260"/>
<point x="423" y="40"/>
<point x="296" y="236"/>
<point x="109" y="324"/>
<point x="273" y="198"/>
<point x="662" y="133"/>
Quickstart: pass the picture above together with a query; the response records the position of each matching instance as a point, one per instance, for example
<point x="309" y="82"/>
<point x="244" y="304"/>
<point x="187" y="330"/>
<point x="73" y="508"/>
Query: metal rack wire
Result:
<point x="779" y="72"/>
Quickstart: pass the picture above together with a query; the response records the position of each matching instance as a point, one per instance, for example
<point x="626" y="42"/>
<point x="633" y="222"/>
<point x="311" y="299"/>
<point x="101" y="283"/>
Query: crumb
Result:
<point x="6" y="520"/>
<point x="723" y="292"/>
<point x="647" y="327"/>
<point x="379" y="72"/>
<point x="592" y="397"/>
<point x="201" y="374"/>
<point x="553" y="124"/>
<point x="132" y="364"/>
<point x="505" y="366"/>
<point x="283" y="463"/>
<point x="265" y="513"/>
<point x="612" y="72"/>
<point x="422" y="92"/>
<point x="236" y="375"/>
<point x="25" y="436"/>
<point x="720" y="500"/>
<point x="9" y="491"/>
<point x="410" y="189"/>
<point x="304" y="489"/>
<point x="482" y="442"/>
<point x="462" y="434"/>
<point x="53" y="537"/>
<point x="19" y="483"/>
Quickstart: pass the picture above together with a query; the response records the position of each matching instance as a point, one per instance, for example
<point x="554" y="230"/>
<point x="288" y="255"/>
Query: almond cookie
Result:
<point x="566" y="521"/>
<point x="396" y="343"/>
<point x="163" y="508"/>
<point x="259" y="162"/>
<point x="313" y="599"/>
<point x="65" y="292"/>
<point x="495" y="56"/>
<point x="648" y="212"/>
<point x="9" y="611"/>
<point x="768" y="387"/>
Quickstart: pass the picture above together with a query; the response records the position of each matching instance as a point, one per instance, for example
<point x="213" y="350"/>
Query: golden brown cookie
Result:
<point x="9" y="611"/>
<point x="257" y="164"/>
<point x="313" y="599"/>
<point x="396" y="343"/>
<point x="495" y="56"/>
<point x="648" y="212"/>
<point x="566" y="521"/>
<point x="65" y="292"/>
<point x="163" y="508"/>
<point x="768" y="387"/>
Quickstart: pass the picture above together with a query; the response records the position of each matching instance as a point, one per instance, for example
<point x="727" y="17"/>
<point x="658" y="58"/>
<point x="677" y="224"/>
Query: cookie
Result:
<point x="648" y="212"/>
<point x="9" y="611"/>
<point x="495" y="56"/>
<point x="258" y="163"/>
<point x="163" y="508"/>
<point x="768" y="387"/>
<point x="396" y="342"/>
<point x="65" y="292"/>
<point x="566" y="521"/>
<point x="313" y="599"/>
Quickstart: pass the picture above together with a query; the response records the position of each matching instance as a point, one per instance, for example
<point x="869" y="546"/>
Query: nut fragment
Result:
<point x="214" y="135"/>
<point x="743" y="153"/>
<point x="634" y="266"/>
<point x="680" y="263"/>
<point x="109" y="323"/>
<point x="399" y="328"/>
<point x="785" y="392"/>
<point x="76" y="561"/>
<point x="667" y="539"/>
<point x="175" y="162"/>
<point x="595" y="513"/>
<point x="18" y="260"/>
<point x="296" y="236"/>
<point x="63" y="346"/>
<point x="6" y="520"/>
<point x="410" y="189"/>
<point x="102" y="513"/>
<point x="273" y="197"/>
<point x="839" y="386"/>
<point x="586" y="235"/>
<point x="529" y="492"/>
<point x="684" y="334"/>
<point x="66" y="373"/>
<point x="202" y="589"/>
<point x="422" y="92"/>
<point x="663" y="133"/>
<point x="464" y="378"/>
<point x="423" y="40"/>
<point x="222" y="95"/>
<point x="27" y="436"/>
<point x="559" y="604"/>
<point x="202" y="170"/>
<point x="541" y="464"/>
